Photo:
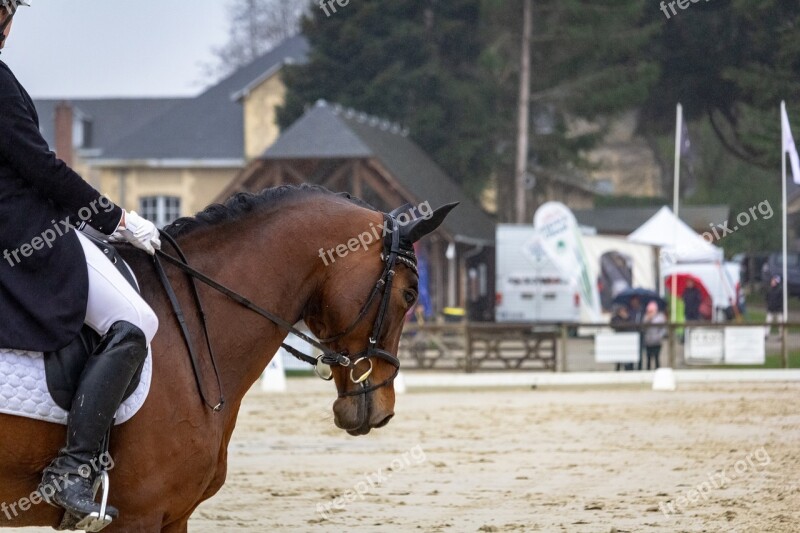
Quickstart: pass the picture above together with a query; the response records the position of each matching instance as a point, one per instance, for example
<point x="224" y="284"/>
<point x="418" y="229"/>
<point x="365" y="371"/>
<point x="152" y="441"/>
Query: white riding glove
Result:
<point x="139" y="232"/>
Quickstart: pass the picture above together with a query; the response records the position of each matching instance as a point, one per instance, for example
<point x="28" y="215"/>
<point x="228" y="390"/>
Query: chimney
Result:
<point x="64" y="124"/>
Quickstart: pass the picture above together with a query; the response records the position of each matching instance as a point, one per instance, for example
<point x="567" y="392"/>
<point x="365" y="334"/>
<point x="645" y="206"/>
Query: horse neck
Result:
<point x="265" y="259"/>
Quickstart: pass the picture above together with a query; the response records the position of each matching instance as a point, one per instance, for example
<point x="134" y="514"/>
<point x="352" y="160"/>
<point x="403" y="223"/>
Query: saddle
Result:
<point x="63" y="368"/>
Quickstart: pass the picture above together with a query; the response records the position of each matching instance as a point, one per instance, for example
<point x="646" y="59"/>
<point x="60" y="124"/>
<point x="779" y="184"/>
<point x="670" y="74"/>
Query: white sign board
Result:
<point x="704" y="345"/>
<point x="274" y="378"/>
<point x="744" y="346"/>
<point x="613" y="347"/>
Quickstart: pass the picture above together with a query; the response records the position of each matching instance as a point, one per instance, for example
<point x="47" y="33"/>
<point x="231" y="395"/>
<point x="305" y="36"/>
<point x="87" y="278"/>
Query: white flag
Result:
<point x="789" y="146"/>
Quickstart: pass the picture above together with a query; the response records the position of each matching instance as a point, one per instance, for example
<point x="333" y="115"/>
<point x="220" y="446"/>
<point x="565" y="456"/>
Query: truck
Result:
<point x="531" y="286"/>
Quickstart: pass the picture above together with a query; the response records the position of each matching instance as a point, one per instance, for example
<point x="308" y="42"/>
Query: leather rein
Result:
<point x="392" y="254"/>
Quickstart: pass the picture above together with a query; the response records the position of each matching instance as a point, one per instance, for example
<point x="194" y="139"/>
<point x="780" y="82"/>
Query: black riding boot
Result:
<point x="67" y="482"/>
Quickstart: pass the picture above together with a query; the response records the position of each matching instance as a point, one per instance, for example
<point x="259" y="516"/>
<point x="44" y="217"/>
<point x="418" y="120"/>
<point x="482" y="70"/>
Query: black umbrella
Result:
<point x="645" y="297"/>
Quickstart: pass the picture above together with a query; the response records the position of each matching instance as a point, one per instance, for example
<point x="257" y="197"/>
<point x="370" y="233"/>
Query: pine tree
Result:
<point x="450" y="70"/>
<point x="415" y="62"/>
<point x="585" y="65"/>
<point x="729" y="63"/>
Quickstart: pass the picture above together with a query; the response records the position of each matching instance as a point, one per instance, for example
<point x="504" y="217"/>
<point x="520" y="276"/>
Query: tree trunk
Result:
<point x="523" y="113"/>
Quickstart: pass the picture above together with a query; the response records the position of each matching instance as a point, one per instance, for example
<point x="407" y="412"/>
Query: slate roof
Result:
<point x="332" y="132"/>
<point x="624" y="220"/>
<point x="111" y="118"/>
<point x="210" y="126"/>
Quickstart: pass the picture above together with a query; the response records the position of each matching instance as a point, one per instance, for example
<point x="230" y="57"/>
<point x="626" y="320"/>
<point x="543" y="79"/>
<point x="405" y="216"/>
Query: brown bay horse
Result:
<point x="173" y="454"/>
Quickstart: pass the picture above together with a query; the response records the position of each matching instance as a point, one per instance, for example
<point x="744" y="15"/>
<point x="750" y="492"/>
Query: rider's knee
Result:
<point x="138" y="314"/>
<point x="127" y="332"/>
<point x="148" y="323"/>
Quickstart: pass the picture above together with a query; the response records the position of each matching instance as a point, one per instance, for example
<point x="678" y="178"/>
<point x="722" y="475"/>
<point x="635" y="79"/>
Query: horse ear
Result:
<point x="423" y="226"/>
<point x="407" y="207"/>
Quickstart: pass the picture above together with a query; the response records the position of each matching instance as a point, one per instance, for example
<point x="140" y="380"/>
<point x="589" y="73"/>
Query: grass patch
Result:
<point x="771" y="361"/>
<point x="299" y="373"/>
<point x="758" y="300"/>
<point x="759" y="316"/>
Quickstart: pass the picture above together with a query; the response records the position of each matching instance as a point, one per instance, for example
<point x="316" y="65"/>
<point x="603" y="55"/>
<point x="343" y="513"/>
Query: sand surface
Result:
<point x="727" y="457"/>
<point x="519" y="460"/>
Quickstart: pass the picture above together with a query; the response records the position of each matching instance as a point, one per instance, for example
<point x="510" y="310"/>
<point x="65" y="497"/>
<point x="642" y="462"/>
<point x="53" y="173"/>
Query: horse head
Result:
<point x="359" y="311"/>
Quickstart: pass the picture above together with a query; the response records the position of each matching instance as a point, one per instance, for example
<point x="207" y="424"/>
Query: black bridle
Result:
<point x="392" y="253"/>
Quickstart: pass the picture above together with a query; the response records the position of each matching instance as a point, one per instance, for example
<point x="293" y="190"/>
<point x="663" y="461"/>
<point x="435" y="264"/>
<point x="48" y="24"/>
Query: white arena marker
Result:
<point x="274" y="378"/>
<point x="400" y="384"/>
<point x="664" y="380"/>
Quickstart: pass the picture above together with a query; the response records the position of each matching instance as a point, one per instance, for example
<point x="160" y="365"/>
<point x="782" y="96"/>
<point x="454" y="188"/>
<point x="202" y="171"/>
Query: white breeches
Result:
<point x="111" y="298"/>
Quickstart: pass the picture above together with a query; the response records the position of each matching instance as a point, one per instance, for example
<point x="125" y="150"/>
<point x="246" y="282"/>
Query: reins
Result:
<point x="176" y="307"/>
<point x="391" y="255"/>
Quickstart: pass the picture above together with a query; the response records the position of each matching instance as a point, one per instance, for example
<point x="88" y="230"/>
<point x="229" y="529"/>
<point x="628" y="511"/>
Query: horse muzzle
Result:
<point x="358" y="415"/>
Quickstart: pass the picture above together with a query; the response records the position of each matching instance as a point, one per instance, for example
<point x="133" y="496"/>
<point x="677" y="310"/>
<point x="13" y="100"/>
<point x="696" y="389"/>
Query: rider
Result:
<point x="53" y="280"/>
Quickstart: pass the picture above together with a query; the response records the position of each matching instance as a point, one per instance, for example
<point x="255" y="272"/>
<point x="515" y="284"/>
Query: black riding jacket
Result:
<point x="43" y="274"/>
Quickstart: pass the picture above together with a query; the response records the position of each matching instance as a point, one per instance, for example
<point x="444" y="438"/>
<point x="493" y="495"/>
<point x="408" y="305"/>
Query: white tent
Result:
<point x="720" y="280"/>
<point x="679" y="243"/>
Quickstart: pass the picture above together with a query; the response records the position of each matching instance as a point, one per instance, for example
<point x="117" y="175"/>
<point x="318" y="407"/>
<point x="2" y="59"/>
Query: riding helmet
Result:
<point x="12" y="5"/>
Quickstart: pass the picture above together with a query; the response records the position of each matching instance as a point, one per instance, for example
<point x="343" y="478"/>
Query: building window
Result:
<point x="81" y="131"/>
<point x="160" y="210"/>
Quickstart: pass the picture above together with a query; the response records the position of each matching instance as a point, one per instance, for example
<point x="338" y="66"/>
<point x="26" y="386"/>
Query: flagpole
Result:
<point x="785" y="239"/>
<point x="672" y="259"/>
<point x="675" y="197"/>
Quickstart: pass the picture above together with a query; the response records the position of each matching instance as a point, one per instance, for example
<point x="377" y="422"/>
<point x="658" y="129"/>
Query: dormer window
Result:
<point x="81" y="130"/>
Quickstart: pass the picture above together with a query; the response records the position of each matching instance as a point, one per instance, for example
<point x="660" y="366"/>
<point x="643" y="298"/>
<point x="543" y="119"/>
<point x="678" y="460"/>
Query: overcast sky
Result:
<point x="95" y="48"/>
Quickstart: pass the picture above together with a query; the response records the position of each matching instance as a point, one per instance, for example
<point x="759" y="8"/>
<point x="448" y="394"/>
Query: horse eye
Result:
<point x="410" y="297"/>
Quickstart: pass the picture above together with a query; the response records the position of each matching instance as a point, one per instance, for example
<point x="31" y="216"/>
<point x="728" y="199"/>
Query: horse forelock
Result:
<point x="242" y="204"/>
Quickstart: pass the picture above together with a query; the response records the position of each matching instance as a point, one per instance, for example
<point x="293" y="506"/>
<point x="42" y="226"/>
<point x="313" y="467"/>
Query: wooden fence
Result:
<point x="481" y="346"/>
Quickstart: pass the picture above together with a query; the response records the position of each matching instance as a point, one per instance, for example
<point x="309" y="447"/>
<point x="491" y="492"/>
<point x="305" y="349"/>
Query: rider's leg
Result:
<point x="126" y="324"/>
<point x="111" y="298"/>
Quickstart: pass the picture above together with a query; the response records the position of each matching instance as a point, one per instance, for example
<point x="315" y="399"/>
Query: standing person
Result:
<point x="621" y="321"/>
<point x="636" y="311"/>
<point x="774" y="299"/>
<point x="692" y="298"/>
<point x="49" y="292"/>
<point x="654" y="333"/>
<point x="637" y="316"/>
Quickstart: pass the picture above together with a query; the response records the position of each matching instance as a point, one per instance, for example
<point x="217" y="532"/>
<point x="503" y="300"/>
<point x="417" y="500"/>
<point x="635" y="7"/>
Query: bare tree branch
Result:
<point x="256" y="26"/>
<point x="740" y="153"/>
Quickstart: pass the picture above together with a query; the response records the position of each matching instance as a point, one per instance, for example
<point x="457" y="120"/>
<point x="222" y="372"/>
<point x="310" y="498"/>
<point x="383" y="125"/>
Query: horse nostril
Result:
<point x="384" y="421"/>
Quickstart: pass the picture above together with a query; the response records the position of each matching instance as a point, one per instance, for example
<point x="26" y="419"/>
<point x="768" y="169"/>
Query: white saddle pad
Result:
<point x="23" y="389"/>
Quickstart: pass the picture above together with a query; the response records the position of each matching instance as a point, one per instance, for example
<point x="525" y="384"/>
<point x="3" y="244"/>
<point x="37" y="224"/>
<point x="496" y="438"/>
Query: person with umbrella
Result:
<point x="621" y="321"/>
<point x="636" y="300"/>
<point x="642" y="296"/>
<point x="637" y="316"/>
